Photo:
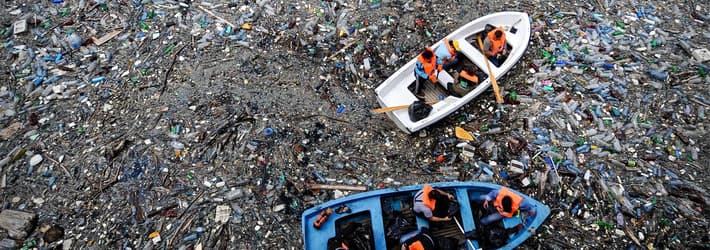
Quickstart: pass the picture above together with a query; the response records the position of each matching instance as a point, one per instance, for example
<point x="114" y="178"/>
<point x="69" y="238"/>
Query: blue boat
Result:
<point x="369" y="216"/>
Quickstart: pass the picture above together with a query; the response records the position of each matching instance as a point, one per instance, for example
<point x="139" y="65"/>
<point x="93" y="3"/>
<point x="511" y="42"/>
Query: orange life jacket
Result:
<point x="516" y="200"/>
<point x="497" y="45"/>
<point x="430" y="66"/>
<point x="417" y="245"/>
<point x="471" y="77"/>
<point x="429" y="202"/>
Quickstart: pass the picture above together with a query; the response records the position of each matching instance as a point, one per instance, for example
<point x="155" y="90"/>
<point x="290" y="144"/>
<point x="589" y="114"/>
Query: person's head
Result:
<point x="498" y="34"/>
<point x="507" y="204"/>
<point x="427" y="53"/>
<point x="436" y="195"/>
<point x="470" y="70"/>
<point x="455" y="44"/>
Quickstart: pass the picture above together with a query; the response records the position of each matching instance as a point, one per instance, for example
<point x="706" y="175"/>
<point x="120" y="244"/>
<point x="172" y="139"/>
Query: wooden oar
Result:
<point x="499" y="98"/>
<point x="393" y="108"/>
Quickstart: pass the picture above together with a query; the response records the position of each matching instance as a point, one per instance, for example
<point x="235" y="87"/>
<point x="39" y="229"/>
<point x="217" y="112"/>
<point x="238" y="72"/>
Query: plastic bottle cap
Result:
<point x="268" y="131"/>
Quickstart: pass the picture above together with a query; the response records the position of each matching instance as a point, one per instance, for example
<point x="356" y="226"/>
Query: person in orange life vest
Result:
<point x="506" y="203"/>
<point x="432" y="204"/>
<point x="494" y="45"/>
<point x="464" y="82"/>
<point x="446" y="54"/>
<point x="421" y="241"/>
<point x="425" y="70"/>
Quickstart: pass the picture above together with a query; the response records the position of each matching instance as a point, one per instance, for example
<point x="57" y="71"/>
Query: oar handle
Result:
<point x="393" y="108"/>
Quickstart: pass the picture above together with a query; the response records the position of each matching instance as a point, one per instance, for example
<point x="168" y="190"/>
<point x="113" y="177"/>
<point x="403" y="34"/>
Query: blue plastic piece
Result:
<point x="583" y="149"/>
<point x="98" y="79"/>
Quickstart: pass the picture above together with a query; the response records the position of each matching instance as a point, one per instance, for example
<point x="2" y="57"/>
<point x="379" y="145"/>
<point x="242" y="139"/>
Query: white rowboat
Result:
<point x="395" y="92"/>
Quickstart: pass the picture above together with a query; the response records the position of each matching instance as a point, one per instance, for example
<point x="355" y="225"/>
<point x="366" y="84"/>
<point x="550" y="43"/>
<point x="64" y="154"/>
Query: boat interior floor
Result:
<point x="433" y="92"/>
<point x="448" y="230"/>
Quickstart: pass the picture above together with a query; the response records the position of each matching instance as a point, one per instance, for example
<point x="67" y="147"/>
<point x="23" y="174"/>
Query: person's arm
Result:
<point x="526" y="205"/>
<point x="487" y="47"/>
<point x="419" y="70"/>
<point x="439" y="219"/>
<point x="433" y="78"/>
<point x="490" y="196"/>
<point x="450" y="196"/>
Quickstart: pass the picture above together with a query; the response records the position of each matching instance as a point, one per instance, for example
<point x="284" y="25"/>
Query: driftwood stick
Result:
<point x="340" y="51"/>
<point x="339" y="187"/>
<point x="218" y="17"/>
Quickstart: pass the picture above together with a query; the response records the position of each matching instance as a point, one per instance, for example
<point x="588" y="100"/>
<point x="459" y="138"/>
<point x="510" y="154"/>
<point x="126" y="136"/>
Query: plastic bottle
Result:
<point x="268" y="131"/>
<point x="190" y="237"/>
<point x="658" y="75"/>
<point x="75" y="41"/>
<point x="583" y="149"/>
<point x="618" y="193"/>
<point x="541" y="132"/>
<point x="525" y="160"/>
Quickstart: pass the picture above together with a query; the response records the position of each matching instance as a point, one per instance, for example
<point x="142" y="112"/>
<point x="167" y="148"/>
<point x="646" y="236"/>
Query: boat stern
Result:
<point x="392" y="117"/>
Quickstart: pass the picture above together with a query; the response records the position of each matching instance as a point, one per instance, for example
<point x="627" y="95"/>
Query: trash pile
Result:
<point x="607" y="127"/>
<point x="197" y="124"/>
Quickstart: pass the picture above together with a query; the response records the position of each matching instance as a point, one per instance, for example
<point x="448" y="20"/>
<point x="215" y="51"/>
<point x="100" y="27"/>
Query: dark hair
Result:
<point x="427" y="54"/>
<point x="435" y="195"/>
<point x="498" y="33"/>
<point x="507" y="204"/>
<point x="470" y="69"/>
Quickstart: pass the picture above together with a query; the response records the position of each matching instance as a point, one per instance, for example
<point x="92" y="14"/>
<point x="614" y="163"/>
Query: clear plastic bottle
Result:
<point x="74" y="41"/>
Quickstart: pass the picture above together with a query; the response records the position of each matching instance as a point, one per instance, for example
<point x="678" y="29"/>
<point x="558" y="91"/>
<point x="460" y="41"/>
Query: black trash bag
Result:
<point x="494" y="235"/>
<point x="453" y="208"/>
<point x="355" y="236"/>
<point x="419" y="110"/>
<point x="398" y="226"/>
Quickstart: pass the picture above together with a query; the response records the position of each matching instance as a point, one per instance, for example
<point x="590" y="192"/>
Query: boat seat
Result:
<point x="445" y="78"/>
<point x="396" y="206"/>
<point x="409" y="235"/>
<point x="422" y="222"/>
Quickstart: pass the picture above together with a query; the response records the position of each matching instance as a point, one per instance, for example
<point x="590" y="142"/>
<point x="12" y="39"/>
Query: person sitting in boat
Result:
<point x="421" y="241"/>
<point x="432" y="204"/>
<point x="446" y="54"/>
<point x="464" y="82"/>
<point x="494" y="46"/>
<point x="506" y="204"/>
<point x="425" y="71"/>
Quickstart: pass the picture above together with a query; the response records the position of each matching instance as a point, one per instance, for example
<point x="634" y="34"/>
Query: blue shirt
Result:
<point x="442" y="52"/>
<point x="419" y="70"/>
